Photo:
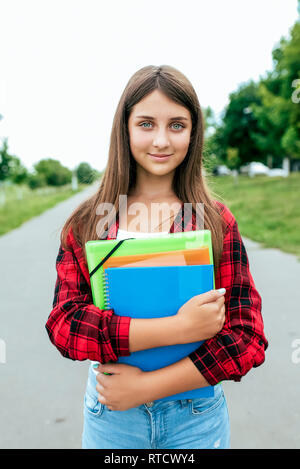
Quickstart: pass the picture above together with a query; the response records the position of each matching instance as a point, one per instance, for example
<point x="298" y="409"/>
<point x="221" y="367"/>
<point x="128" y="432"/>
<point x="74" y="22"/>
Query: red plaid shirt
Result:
<point x="82" y="331"/>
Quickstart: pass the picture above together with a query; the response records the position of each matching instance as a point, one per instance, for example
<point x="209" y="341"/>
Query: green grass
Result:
<point x="22" y="203"/>
<point x="267" y="209"/>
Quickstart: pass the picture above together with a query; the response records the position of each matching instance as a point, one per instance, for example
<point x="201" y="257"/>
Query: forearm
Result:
<point x="74" y="328"/>
<point x="150" y="333"/>
<point x="173" y="379"/>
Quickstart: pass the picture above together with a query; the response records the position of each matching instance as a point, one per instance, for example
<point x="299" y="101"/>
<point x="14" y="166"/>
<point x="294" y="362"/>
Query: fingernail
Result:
<point x="221" y="291"/>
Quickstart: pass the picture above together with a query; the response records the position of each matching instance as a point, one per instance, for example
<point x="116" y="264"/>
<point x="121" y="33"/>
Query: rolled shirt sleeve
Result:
<point x="77" y="328"/>
<point x="241" y="343"/>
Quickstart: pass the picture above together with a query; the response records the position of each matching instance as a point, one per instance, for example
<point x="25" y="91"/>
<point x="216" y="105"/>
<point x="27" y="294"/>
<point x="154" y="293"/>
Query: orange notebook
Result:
<point x="197" y="256"/>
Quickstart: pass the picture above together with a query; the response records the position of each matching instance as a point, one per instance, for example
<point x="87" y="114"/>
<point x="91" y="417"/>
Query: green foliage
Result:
<point x="279" y="113"/>
<point x="54" y="172"/>
<point x="18" y="172"/>
<point x="286" y="59"/>
<point x="211" y="161"/>
<point x="11" y="167"/>
<point x="290" y="141"/>
<point x="209" y="121"/>
<point x="240" y="124"/>
<point x="16" y="211"/>
<point x="36" y="180"/>
<point x="233" y="160"/>
<point x="262" y="119"/>
<point x="213" y="146"/>
<point x="85" y="173"/>
<point x="5" y="161"/>
<point x="267" y="209"/>
<point x="272" y="117"/>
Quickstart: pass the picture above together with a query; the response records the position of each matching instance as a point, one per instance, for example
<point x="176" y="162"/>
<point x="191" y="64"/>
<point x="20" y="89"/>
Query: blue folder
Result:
<point x="152" y="292"/>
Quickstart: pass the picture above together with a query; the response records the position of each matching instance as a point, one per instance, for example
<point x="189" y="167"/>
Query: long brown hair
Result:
<point x="119" y="177"/>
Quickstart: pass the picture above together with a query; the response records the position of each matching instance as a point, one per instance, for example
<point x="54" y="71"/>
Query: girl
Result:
<point x="155" y="156"/>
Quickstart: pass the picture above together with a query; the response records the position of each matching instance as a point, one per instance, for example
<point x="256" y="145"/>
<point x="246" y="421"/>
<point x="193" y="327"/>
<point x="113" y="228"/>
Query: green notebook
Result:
<point x="98" y="250"/>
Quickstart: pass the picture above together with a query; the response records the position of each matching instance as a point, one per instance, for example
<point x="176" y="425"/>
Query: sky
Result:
<point x="65" y="63"/>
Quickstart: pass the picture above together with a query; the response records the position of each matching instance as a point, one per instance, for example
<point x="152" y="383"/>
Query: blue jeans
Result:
<point x="181" y="424"/>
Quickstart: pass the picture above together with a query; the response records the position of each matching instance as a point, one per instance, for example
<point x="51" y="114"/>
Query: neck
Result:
<point x="152" y="187"/>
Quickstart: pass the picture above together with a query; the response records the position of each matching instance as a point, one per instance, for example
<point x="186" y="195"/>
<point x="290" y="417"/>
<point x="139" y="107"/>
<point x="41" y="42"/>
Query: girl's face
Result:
<point x="159" y="126"/>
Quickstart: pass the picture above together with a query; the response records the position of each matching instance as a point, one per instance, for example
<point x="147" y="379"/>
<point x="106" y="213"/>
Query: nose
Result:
<point x="161" y="138"/>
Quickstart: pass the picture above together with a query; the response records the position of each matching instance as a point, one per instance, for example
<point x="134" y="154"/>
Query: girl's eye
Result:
<point x="174" y="123"/>
<point x="177" y="123"/>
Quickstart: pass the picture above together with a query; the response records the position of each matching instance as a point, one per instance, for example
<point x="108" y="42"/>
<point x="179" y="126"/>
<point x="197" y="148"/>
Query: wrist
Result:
<point x="175" y="330"/>
<point x="155" y="385"/>
<point x="176" y="378"/>
<point x="155" y="332"/>
<point x="185" y="330"/>
<point x="147" y="386"/>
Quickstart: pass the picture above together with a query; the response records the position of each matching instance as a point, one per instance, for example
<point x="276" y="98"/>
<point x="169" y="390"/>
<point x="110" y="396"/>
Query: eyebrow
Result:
<point x="171" y="118"/>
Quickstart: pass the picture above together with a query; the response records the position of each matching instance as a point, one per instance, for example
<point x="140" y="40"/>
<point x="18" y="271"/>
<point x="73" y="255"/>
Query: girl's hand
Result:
<point x="202" y="317"/>
<point x="123" y="389"/>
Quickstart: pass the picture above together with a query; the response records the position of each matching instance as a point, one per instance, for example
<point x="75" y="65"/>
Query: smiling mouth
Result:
<point x="162" y="156"/>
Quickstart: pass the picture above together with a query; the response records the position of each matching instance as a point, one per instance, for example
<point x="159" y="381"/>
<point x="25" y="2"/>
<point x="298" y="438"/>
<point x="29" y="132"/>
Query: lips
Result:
<point x="160" y="158"/>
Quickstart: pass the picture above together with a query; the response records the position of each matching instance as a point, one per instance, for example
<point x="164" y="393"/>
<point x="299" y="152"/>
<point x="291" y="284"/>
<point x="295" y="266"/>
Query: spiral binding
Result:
<point x="106" y="291"/>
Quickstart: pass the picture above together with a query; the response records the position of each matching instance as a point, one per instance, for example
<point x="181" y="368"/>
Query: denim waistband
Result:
<point x="161" y="404"/>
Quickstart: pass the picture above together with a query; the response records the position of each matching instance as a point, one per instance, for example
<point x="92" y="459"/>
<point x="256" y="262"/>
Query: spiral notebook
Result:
<point x="151" y="292"/>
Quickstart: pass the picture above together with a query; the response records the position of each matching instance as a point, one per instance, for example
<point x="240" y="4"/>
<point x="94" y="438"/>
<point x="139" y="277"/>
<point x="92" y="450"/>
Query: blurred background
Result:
<point x="64" y="65"/>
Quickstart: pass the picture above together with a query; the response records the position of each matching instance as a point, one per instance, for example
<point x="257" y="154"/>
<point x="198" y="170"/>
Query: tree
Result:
<point x="287" y="67"/>
<point x="36" y="180"/>
<point x="5" y="161"/>
<point x="18" y="172"/>
<point x="272" y="115"/>
<point x="85" y="173"/>
<point x="262" y="119"/>
<point x="279" y="113"/>
<point x="54" y="172"/>
<point x="209" y="121"/>
<point x="233" y="160"/>
<point x="290" y="142"/>
<point x="239" y="126"/>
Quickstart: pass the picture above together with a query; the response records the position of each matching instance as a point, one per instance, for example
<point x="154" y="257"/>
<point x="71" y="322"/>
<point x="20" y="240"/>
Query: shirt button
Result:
<point x="149" y="404"/>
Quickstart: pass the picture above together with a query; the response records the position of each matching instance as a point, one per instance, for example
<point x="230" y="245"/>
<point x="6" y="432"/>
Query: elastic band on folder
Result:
<point x="108" y="256"/>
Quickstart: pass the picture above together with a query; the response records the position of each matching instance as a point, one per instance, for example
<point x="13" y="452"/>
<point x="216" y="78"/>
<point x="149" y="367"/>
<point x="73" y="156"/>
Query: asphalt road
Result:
<point x="41" y="393"/>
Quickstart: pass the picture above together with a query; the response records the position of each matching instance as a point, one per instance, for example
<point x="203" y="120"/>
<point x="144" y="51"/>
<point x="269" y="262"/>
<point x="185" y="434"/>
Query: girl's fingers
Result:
<point x="103" y="401"/>
<point x="99" y="388"/>
<point x="101" y="377"/>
